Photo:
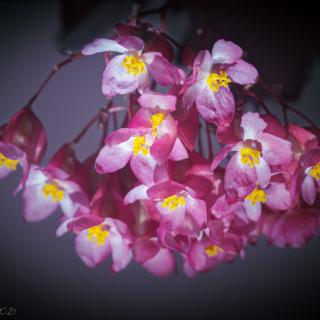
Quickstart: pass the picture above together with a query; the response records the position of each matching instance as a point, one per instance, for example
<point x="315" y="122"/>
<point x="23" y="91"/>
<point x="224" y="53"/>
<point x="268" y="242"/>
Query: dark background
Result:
<point x="41" y="275"/>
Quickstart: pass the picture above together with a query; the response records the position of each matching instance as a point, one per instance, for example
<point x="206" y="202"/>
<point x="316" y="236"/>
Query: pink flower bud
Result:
<point x="26" y="132"/>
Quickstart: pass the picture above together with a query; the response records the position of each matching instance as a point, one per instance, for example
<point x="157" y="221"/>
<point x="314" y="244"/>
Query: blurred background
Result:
<point x="41" y="275"/>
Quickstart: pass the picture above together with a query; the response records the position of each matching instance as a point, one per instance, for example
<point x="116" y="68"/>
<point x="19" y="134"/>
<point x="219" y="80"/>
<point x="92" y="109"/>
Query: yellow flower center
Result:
<point x="173" y="202"/>
<point x="212" y="250"/>
<point x="99" y="236"/>
<point x="137" y="146"/>
<point x="11" y="164"/>
<point x="315" y="172"/>
<point x="257" y="195"/>
<point x="156" y="120"/>
<point x="249" y="156"/>
<point x="214" y="81"/>
<point x="133" y="64"/>
<point x="52" y="189"/>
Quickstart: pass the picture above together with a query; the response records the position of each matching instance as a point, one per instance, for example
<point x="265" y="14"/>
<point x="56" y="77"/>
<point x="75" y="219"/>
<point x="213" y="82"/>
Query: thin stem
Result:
<point x="179" y="46"/>
<point x="85" y="129"/>
<point x="209" y="142"/>
<point x="115" y="121"/>
<point x="199" y="141"/>
<point x="258" y="98"/>
<point x="55" y="69"/>
<point x="163" y="22"/>
<point x="282" y="103"/>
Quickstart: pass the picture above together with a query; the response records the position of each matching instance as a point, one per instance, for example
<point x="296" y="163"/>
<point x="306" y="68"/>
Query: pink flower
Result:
<point x="210" y="80"/>
<point x="150" y="139"/>
<point x="257" y="151"/>
<point x="179" y="207"/>
<point x="293" y="227"/>
<point x="98" y="237"/>
<point x="305" y="167"/>
<point x="47" y="188"/>
<point x="129" y="70"/>
<point x="10" y="157"/>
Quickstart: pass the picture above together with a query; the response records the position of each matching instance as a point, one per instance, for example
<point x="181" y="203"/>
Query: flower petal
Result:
<point x="137" y="193"/>
<point x="253" y="211"/>
<point x="251" y="125"/>
<point x="116" y="79"/>
<point x="89" y="252"/>
<point x="111" y="159"/>
<point x="193" y="92"/>
<point x="161" y="264"/>
<point x="240" y="180"/>
<point x="242" y="72"/>
<point x="198" y="209"/>
<point x="131" y="43"/>
<point x="263" y="172"/>
<point x="310" y="158"/>
<point x="162" y="71"/>
<point x="102" y="45"/>
<point x="144" y="250"/>
<point x="308" y="189"/>
<point x="35" y="206"/>
<point x="164" y="190"/>
<point x="278" y="197"/>
<point x="158" y="101"/>
<point x="78" y="224"/>
<point x="217" y="107"/>
<point x="225" y="52"/>
<point x="171" y="219"/>
<point x="275" y="150"/>
<point x="178" y="152"/>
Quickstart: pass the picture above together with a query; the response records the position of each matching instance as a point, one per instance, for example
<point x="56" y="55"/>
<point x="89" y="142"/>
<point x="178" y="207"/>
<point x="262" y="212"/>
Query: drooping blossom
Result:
<point x="130" y="70"/>
<point x="150" y="139"/>
<point x="98" y="237"/>
<point x="305" y="166"/>
<point x="45" y="189"/>
<point x="210" y="80"/>
<point x="257" y="151"/>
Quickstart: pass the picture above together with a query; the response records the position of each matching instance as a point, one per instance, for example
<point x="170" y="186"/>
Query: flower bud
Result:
<point x="26" y="132"/>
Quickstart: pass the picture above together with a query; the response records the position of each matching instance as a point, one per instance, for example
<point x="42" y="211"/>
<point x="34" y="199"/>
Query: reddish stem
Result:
<point x="209" y="142"/>
<point x="163" y="22"/>
<point x="258" y="98"/>
<point x="115" y="121"/>
<point x="199" y="141"/>
<point x="55" y="69"/>
<point x="283" y="104"/>
<point x="85" y="129"/>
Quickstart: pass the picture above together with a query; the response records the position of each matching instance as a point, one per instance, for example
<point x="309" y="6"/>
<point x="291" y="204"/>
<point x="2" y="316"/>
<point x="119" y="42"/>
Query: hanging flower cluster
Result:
<point x="147" y="193"/>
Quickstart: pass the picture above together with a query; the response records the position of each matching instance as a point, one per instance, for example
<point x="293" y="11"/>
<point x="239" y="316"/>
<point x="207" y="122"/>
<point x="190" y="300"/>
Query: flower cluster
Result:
<point x="147" y="193"/>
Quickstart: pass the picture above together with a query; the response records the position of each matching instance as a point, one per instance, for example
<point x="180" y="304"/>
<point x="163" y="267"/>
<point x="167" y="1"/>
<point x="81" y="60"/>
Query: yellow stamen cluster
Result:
<point x="173" y="202"/>
<point x="249" y="156"/>
<point x="10" y="164"/>
<point x="99" y="236"/>
<point x="156" y="120"/>
<point x="212" y="250"/>
<point x="52" y="189"/>
<point x="257" y="195"/>
<point x="214" y="81"/>
<point x="133" y="64"/>
<point x="137" y="146"/>
<point x="315" y="172"/>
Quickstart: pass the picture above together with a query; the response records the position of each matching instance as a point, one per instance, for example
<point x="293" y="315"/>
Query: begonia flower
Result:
<point x="257" y="151"/>
<point x="150" y="139"/>
<point x="130" y="70"/>
<point x="98" y="237"/>
<point x="210" y="80"/>
<point x="178" y="206"/>
<point x="10" y="157"/>
<point x="305" y="166"/>
<point x="292" y="227"/>
<point x="47" y="188"/>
